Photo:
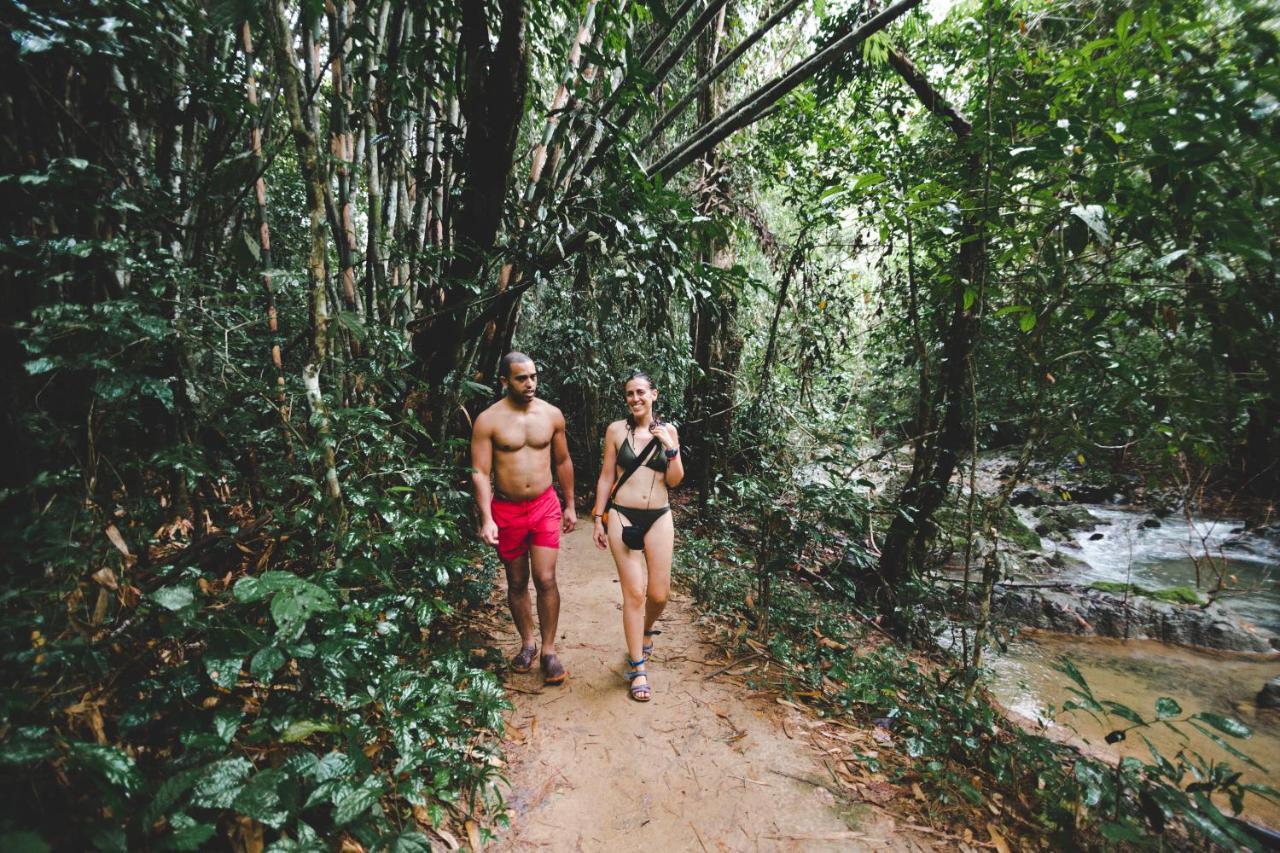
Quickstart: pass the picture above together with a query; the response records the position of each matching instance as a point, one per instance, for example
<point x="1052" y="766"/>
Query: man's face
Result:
<point x="521" y="382"/>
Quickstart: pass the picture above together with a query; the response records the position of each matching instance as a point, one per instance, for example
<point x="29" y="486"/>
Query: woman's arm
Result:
<point x="675" y="464"/>
<point x="604" y="485"/>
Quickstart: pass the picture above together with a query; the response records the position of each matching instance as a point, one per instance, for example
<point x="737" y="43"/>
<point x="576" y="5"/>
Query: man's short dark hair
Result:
<point x="513" y="357"/>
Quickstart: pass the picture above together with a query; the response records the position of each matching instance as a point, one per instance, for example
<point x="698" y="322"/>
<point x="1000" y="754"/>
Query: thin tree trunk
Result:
<point x="313" y="182"/>
<point x="264" y="231"/>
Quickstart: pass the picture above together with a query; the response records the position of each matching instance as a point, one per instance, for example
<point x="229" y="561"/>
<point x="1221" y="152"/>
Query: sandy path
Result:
<point x="701" y="767"/>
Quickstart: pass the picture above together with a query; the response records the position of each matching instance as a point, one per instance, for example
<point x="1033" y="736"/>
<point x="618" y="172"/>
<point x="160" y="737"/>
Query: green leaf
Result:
<point x="260" y="798"/>
<point x="1027" y="321"/>
<point x="188" y="833"/>
<point x="1122" y="711"/>
<point x="112" y="765"/>
<point x="221" y="782"/>
<point x="227" y="722"/>
<point x="1166" y="708"/>
<point x="1067" y="668"/>
<point x="292" y="608"/>
<point x="1226" y="725"/>
<point x="870" y="179"/>
<point x="1092" y="216"/>
<point x="300" y="730"/>
<point x="1120" y="832"/>
<point x="970" y="296"/>
<point x="266" y="662"/>
<point x="409" y="842"/>
<point x="1226" y="747"/>
<point x="250" y="589"/>
<point x="350" y="801"/>
<point x="168" y="794"/>
<point x="1090" y="777"/>
<point x="223" y="671"/>
<point x="23" y="842"/>
<point x="1011" y="309"/>
<point x="176" y="597"/>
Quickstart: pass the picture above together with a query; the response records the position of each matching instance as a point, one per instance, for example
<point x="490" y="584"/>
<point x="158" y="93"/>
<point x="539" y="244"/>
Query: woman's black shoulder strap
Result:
<point x="631" y="469"/>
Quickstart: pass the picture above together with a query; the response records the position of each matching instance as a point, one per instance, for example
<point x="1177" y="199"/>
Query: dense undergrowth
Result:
<point x="970" y="761"/>
<point x="257" y="668"/>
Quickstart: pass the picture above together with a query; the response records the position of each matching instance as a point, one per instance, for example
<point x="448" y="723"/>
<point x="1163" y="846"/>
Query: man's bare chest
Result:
<point x="521" y="433"/>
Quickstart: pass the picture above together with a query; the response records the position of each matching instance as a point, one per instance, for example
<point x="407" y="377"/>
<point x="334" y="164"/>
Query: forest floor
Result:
<point x="707" y="765"/>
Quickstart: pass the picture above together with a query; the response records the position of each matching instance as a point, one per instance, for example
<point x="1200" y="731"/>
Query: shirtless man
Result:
<point x="515" y="440"/>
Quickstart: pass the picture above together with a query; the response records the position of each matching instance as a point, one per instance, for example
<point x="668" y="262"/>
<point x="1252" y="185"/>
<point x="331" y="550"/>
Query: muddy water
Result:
<point x="1136" y="673"/>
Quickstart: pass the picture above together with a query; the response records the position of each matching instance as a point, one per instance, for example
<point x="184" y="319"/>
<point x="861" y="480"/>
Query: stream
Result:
<point x="1137" y="672"/>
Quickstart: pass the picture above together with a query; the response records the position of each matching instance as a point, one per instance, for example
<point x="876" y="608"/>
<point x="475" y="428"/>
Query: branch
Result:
<point x="711" y="76"/>
<point x="929" y="96"/>
<point x="750" y="108"/>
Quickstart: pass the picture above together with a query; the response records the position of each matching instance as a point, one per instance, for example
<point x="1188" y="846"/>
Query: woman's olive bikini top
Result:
<point x="657" y="461"/>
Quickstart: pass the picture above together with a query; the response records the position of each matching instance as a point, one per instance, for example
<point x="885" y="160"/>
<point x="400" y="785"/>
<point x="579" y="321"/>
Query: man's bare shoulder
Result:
<point x="548" y="410"/>
<point x="489" y="418"/>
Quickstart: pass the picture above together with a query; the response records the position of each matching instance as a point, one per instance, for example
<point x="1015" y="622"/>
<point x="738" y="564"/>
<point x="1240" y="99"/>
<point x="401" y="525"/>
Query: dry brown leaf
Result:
<point x="473" y="834"/>
<point x="106" y="577"/>
<point x="917" y="792"/>
<point x="350" y="845"/>
<point x="100" y="608"/>
<point x="246" y="835"/>
<point x="450" y="840"/>
<point x="533" y="728"/>
<point x="117" y="540"/>
<point x="832" y="644"/>
<point x="997" y="839"/>
<point x="421" y="815"/>
<point x="515" y="735"/>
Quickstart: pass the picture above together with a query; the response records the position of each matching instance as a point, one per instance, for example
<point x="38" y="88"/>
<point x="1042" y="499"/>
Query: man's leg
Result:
<point x="544" y="580"/>
<point x="518" y="597"/>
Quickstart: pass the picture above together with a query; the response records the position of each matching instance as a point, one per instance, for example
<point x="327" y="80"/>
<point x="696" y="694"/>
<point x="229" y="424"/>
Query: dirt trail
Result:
<point x="701" y="767"/>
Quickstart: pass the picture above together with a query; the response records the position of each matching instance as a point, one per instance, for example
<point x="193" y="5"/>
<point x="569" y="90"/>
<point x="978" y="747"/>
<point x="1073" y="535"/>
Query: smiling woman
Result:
<point x="633" y="519"/>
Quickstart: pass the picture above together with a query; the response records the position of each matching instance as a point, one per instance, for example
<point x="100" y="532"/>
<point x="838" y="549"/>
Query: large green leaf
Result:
<point x="260" y="798"/>
<point x="350" y="800"/>
<point x="1226" y="725"/>
<point x="113" y="766"/>
<point x="221" y="782"/>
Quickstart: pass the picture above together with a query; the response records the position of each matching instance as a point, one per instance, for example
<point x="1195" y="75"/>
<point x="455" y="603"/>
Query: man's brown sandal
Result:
<point x="523" y="662"/>
<point x="553" y="672"/>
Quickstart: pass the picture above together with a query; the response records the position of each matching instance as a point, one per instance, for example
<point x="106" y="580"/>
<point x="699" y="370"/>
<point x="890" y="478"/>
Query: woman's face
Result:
<point x="640" y="396"/>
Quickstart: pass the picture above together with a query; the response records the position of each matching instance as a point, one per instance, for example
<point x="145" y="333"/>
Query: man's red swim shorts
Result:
<point x="524" y="523"/>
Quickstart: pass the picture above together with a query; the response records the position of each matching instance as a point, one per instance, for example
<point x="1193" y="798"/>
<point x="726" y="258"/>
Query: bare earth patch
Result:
<point x="704" y="766"/>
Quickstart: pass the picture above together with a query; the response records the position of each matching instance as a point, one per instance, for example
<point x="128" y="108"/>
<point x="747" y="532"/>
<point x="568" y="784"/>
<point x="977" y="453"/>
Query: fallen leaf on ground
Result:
<point x="473" y="834"/>
<point x="997" y="839"/>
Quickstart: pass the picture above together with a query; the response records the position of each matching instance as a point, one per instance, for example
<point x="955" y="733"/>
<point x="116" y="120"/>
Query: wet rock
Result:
<point x="1152" y="523"/>
<point x="1032" y="496"/>
<point x="1269" y="695"/>
<point x="1059" y="522"/>
<point x="1092" y="612"/>
<point x="1095" y="537"/>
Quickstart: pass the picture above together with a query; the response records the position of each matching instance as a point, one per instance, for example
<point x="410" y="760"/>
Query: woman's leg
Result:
<point x="631" y="577"/>
<point x="658" y="547"/>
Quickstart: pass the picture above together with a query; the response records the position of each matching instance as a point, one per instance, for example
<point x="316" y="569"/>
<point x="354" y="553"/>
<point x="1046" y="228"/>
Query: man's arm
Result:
<point x="481" y="471"/>
<point x="564" y="470"/>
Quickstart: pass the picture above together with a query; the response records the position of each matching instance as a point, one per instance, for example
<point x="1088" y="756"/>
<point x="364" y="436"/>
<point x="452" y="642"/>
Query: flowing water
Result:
<point x="1138" y="672"/>
<point x="1197" y="555"/>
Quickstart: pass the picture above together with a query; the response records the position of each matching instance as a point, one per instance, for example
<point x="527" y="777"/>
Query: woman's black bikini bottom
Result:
<point x="640" y="522"/>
